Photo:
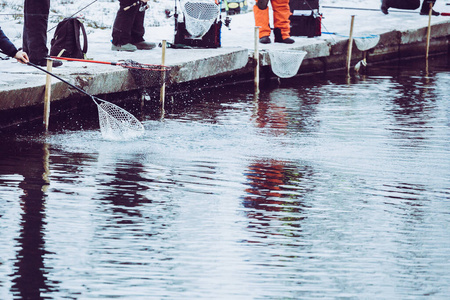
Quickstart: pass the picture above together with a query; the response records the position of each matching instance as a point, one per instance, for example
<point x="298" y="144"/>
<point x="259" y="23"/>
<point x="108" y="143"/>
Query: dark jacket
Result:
<point x="6" y="46"/>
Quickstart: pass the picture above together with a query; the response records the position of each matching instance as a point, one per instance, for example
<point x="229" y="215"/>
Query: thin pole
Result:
<point x="367" y="9"/>
<point x="256" y="60"/>
<point x="163" y="77"/>
<point x="74" y="14"/>
<point x="48" y="94"/>
<point x="350" y="45"/>
<point x="428" y="35"/>
<point x="138" y="66"/>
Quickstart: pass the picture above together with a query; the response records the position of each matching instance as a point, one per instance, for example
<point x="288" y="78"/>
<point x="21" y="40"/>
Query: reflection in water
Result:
<point x="275" y="186"/>
<point x="316" y="190"/>
<point x="288" y="109"/>
<point x="275" y="192"/>
<point x="125" y="190"/>
<point x="29" y="277"/>
<point x="413" y="107"/>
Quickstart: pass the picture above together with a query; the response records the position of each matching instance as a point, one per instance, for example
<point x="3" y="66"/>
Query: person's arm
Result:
<point x="7" y="47"/>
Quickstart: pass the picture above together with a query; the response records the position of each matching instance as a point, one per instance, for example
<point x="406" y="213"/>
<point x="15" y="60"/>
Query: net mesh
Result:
<point x="150" y="76"/>
<point x="285" y="63"/>
<point x="131" y="64"/>
<point x="199" y="16"/>
<point x="116" y="123"/>
<point x="365" y="43"/>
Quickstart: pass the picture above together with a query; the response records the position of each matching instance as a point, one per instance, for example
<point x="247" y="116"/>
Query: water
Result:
<point x="321" y="188"/>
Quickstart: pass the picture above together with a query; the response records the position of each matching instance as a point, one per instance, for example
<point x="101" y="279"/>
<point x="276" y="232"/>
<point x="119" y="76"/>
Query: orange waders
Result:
<point x="281" y="13"/>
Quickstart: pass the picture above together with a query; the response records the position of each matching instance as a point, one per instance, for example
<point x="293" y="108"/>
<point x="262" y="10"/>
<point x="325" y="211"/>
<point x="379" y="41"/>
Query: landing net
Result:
<point x="365" y="43"/>
<point x="285" y="63"/>
<point x="131" y="64"/>
<point x="199" y="16"/>
<point x="116" y="123"/>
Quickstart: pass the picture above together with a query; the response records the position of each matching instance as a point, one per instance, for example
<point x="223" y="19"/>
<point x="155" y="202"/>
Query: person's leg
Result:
<point x="137" y="29"/>
<point x="35" y="29"/>
<point x="281" y="14"/>
<point x="385" y="6"/>
<point x="262" y="20"/>
<point x="123" y="23"/>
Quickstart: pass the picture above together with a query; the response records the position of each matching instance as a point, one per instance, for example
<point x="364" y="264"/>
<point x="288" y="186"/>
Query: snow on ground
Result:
<point x="99" y="15"/>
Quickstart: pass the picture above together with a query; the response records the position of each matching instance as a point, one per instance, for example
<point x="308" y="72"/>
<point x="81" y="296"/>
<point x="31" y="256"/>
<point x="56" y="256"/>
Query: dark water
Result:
<point x="321" y="188"/>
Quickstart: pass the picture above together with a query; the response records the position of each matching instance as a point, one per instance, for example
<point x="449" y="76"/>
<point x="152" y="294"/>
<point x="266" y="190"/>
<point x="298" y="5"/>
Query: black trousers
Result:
<point x="35" y="29"/>
<point x="129" y="24"/>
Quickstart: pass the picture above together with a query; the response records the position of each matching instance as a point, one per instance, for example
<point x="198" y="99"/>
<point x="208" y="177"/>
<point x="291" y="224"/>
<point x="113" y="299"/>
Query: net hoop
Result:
<point x="286" y="63"/>
<point x="199" y="15"/>
<point x="116" y="123"/>
<point x="368" y="42"/>
<point x="363" y="43"/>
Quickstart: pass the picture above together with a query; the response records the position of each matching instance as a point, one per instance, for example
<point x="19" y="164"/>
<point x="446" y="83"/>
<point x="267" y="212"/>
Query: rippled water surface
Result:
<point x="319" y="188"/>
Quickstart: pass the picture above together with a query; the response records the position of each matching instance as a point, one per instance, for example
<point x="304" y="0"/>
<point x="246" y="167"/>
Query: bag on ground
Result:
<point x="66" y="41"/>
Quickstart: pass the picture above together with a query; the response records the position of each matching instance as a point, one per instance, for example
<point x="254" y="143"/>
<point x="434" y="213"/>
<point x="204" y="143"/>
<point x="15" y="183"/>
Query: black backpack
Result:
<point x="66" y="41"/>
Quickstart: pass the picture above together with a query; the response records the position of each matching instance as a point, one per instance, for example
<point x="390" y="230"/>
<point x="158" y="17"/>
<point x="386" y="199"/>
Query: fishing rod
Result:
<point x="75" y="14"/>
<point x="141" y="8"/>
<point x="366" y="9"/>
<point x="446" y="14"/>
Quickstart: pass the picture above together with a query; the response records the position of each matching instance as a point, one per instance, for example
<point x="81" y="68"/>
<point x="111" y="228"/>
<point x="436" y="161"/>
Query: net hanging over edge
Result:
<point x="134" y="65"/>
<point x="286" y="63"/>
<point x="147" y="75"/>
<point x="116" y="123"/>
<point x="368" y="42"/>
<point x="199" y="16"/>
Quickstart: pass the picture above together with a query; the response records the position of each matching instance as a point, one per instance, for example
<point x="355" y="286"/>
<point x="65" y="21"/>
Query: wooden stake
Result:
<point x="163" y="77"/>
<point x="428" y="36"/>
<point x="350" y="45"/>
<point x="256" y="60"/>
<point x="47" y="96"/>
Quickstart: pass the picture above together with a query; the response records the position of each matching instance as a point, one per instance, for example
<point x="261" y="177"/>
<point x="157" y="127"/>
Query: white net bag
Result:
<point x="116" y="123"/>
<point x="199" y="16"/>
<point x="365" y="43"/>
<point x="285" y="63"/>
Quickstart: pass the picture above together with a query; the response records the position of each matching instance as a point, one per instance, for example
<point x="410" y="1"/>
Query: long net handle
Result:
<point x="59" y="78"/>
<point x="124" y="65"/>
<point x="85" y="60"/>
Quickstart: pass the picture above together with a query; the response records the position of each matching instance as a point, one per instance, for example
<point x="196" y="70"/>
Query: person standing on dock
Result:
<point x="128" y="29"/>
<point x="35" y="31"/>
<point x="7" y="47"/>
<point x="409" y="4"/>
<point x="281" y="14"/>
